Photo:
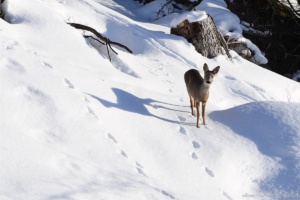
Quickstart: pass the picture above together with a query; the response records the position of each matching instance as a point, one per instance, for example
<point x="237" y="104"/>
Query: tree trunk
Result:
<point x="204" y="35"/>
<point x="1" y="10"/>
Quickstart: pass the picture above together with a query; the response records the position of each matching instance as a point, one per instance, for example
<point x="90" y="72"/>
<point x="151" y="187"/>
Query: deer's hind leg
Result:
<point x="192" y="101"/>
<point x="198" y="113"/>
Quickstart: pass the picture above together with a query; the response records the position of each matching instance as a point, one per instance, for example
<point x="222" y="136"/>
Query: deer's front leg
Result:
<point x="198" y="113"/>
<point x="203" y="112"/>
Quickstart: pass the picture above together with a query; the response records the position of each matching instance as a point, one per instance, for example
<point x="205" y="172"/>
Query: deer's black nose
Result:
<point x="208" y="82"/>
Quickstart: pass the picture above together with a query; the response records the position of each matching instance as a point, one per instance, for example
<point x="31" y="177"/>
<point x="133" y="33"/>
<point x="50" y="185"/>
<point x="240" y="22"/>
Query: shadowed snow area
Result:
<point x="75" y="126"/>
<point x="274" y="129"/>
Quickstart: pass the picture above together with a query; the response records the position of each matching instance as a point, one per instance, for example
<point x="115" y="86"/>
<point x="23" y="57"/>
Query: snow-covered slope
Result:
<point x="75" y="126"/>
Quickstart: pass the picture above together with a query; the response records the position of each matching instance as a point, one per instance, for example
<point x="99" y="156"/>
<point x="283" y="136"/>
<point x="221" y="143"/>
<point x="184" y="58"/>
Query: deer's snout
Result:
<point x="208" y="78"/>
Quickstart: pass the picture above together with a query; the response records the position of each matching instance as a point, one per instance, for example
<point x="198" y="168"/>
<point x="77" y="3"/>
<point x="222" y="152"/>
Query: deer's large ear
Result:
<point x="216" y="70"/>
<point x="205" y="67"/>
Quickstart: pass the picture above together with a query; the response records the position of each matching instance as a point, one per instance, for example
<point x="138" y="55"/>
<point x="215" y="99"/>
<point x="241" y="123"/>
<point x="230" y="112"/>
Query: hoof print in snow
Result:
<point x="194" y="156"/>
<point x="167" y="194"/>
<point x="139" y="168"/>
<point x="124" y="154"/>
<point x="182" y="119"/>
<point x="182" y="130"/>
<point x="227" y="196"/>
<point x="92" y="112"/>
<point x="47" y="65"/>
<point x="140" y="171"/>
<point x="209" y="172"/>
<point x="112" y="138"/>
<point x="154" y="106"/>
<point x="139" y="165"/>
<point x="86" y="100"/>
<point x="196" y="145"/>
<point x="69" y="84"/>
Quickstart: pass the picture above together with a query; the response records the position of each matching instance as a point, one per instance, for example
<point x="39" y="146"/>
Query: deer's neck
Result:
<point x="203" y="92"/>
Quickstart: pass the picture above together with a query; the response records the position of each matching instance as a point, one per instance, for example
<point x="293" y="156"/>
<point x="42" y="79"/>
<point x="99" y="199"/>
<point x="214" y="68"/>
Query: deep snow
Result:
<point x="75" y="126"/>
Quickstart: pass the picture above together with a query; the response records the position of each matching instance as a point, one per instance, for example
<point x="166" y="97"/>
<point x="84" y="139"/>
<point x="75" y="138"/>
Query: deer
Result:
<point x="198" y="88"/>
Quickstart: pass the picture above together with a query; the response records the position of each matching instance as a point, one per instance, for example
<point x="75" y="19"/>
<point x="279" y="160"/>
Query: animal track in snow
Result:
<point x="194" y="156"/>
<point x="47" y="65"/>
<point x="69" y="165"/>
<point x="209" y="172"/>
<point x="69" y="84"/>
<point x="123" y="154"/>
<point x="258" y="89"/>
<point x="167" y="194"/>
<point x="13" y="65"/>
<point x="248" y="91"/>
<point x="167" y="81"/>
<point x="154" y="105"/>
<point x="86" y="100"/>
<point x="140" y="171"/>
<point x="182" y="130"/>
<point x="139" y="168"/>
<point x="196" y="145"/>
<point x="182" y="119"/>
<point x="230" y="78"/>
<point x="241" y="93"/>
<point x="227" y="196"/>
<point x="139" y="165"/>
<point x="112" y="138"/>
<point x="92" y="112"/>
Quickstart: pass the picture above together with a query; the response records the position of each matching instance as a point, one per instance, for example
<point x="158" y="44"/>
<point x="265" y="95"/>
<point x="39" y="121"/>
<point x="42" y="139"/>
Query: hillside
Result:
<point x="74" y="125"/>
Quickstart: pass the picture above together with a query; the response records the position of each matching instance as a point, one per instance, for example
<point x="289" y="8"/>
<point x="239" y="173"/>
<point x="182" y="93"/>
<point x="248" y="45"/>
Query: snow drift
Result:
<point x="75" y="126"/>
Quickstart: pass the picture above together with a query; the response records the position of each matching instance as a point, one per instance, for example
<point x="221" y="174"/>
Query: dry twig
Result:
<point x="106" y="40"/>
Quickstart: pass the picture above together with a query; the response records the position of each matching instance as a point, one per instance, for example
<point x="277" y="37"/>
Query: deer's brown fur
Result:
<point x="198" y="88"/>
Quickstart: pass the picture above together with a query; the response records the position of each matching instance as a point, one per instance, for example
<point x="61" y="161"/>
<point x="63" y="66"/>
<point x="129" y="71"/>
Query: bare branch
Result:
<point x="296" y="12"/>
<point x="88" y="36"/>
<point x="100" y="36"/>
<point x="162" y="9"/>
<point x="107" y="49"/>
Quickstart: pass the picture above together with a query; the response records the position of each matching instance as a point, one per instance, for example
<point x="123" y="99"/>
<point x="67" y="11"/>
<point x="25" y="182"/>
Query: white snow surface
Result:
<point x="75" y="126"/>
<point x="191" y="16"/>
